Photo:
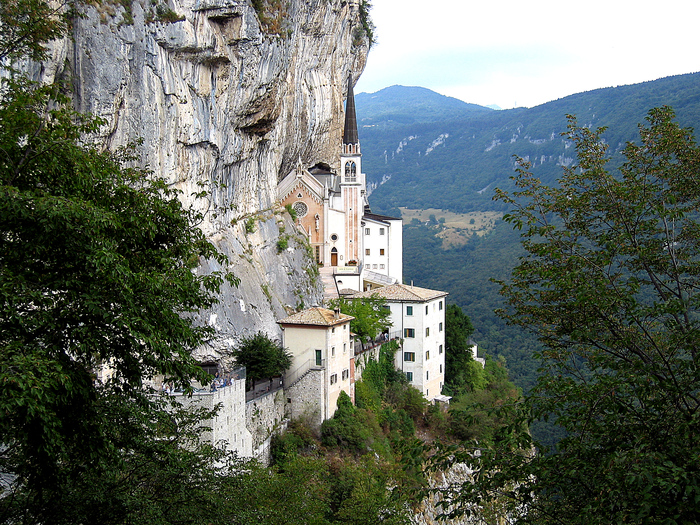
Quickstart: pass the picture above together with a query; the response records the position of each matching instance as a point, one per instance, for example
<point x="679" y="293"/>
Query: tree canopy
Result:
<point x="262" y="357"/>
<point x="371" y="315"/>
<point x="97" y="268"/>
<point x="611" y="285"/>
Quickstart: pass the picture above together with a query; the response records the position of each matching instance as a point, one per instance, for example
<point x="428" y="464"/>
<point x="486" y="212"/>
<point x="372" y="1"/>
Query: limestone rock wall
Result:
<point x="226" y="99"/>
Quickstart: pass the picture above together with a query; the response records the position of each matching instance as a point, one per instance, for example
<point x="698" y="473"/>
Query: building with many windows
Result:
<point x="419" y="315"/>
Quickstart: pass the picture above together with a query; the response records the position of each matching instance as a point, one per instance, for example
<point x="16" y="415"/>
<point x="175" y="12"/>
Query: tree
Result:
<point x="371" y="315"/>
<point x="611" y="285"/>
<point x="262" y="357"/>
<point x="97" y="263"/>
<point x="461" y="371"/>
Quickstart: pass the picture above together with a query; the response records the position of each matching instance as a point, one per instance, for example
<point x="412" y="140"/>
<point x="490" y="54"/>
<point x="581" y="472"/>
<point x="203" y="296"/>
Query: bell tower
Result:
<point x="352" y="181"/>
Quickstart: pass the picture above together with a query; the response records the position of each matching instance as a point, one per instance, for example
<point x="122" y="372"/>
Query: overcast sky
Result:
<point x="528" y="52"/>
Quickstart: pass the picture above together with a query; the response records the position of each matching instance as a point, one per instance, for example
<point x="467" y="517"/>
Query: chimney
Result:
<point x="336" y="313"/>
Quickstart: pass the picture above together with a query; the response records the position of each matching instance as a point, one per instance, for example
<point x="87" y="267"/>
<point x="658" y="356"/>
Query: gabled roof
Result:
<point x="316" y="316"/>
<point x="402" y="292"/>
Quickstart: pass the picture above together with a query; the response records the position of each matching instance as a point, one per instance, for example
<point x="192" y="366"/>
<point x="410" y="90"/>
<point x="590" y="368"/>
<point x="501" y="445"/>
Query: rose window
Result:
<point x="301" y="209"/>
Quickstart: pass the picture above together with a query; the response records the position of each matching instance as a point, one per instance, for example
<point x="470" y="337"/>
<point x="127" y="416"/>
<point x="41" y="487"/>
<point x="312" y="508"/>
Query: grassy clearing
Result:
<point x="455" y="228"/>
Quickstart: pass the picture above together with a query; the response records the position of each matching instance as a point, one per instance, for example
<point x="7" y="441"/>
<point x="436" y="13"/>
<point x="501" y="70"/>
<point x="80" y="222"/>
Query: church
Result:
<point x="359" y="249"/>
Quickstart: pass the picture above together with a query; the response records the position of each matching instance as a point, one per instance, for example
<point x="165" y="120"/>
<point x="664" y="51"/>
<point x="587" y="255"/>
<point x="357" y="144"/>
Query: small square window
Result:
<point x="409" y="356"/>
<point x="381" y="251"/>
<point x="409" y="310"/>
<point x="409" y="376"/>
<point x="381" y="266"/>
<point x="409" y="332"/>
<point x="366" y="231"/>
<point x="367" y="251"/>
<point x="381" y="231"/>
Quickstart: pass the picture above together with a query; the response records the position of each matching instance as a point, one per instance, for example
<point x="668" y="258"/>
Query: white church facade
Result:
<point x="363" y="249"/>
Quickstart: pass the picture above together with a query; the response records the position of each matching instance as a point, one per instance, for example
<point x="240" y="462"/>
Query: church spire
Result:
<point x="350" y="131"/>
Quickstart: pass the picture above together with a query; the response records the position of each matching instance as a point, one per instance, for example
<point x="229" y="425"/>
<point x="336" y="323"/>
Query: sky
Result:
<point x="513" y="53"/>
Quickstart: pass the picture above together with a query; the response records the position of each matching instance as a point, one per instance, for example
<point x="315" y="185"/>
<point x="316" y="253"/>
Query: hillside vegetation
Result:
<point x="423" y="151"/>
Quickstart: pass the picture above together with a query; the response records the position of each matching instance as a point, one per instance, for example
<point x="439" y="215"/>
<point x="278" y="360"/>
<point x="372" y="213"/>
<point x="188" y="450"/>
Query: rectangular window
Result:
<point x="332" y="351"/>
<point x="318" y="358"/>
<point x="409" y="310"/>
<point x="440" y="348"/>
<point x="318" y="254"/>
<point x="440" y="305"/>
<point x="409" y="332"/>
<point x="345" y="348"/>
<point x="440" y="328"/>
<point x="333" y="329"/>
<point x="427" y="355"/>
<point x="381" y="266"/>
<point x="366" y="231"/>
<point x="346" y="374"/>
<point x="381" y="231"/>
<point x="441" y="369"/>
<point x="381" y="251"/>
<point x="374" y="266"/>
<point x="427" y="375"/>
<point x="427" y="332"/>
<point x="367" y="251"/>
<point x="409" y="356"/>
<point x="409" y="376"/>
<point x="426" y="309"/>
<point x="334" y="379"/>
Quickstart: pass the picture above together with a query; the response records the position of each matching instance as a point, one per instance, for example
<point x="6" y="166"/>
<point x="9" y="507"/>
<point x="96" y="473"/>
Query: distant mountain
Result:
<point x="398" y="106"/>
<point x="423" y="150"/>
<point x="426" y="150"/>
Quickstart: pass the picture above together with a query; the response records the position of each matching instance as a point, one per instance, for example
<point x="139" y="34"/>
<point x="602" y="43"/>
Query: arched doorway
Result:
<point x="334" y="257"/>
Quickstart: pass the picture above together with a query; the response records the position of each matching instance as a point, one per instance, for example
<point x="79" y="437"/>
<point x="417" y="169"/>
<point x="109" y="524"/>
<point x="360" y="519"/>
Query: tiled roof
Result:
<point x="316" y="316"/>
<point x="402" y="292"/>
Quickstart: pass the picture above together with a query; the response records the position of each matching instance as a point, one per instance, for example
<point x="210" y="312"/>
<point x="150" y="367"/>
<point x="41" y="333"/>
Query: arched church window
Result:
<point x="350" y="170"/>
<point x="301" y="209"/>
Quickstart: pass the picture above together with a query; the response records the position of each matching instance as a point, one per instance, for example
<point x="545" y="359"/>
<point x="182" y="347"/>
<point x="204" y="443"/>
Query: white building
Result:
<point x="323" y="362"/>
<point x="419" y="315"/>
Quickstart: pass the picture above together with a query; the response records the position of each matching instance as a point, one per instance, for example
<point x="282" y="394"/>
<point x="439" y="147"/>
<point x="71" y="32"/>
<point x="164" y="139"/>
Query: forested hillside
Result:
<point x="423" y="150"/>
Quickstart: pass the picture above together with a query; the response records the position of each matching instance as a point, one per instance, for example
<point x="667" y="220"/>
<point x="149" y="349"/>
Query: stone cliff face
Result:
<point x="230" y="97"/>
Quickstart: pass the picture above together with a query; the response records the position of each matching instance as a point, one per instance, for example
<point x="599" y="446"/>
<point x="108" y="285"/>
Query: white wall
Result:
<point x="428" y="369"/>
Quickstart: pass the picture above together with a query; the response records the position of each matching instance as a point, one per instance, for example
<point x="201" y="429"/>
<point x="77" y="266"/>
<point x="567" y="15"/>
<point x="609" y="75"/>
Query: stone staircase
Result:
<point x="330" y="291"/>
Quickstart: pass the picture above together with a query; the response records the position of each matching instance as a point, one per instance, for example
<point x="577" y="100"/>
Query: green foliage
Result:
<point x="461" y="371"/>
<point x="26" y="26"/>
<point x="366" y="28"/>
<point x="262" y="357"/>
<point x="352" y="429"/>
<point x="292" y="212"/>
<point x="282" y="243"/>
<point x="250" y="225"/>
<point x="371" y="315"/>
<point x="474" y="415"/>
<point x="610" y="286"/>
